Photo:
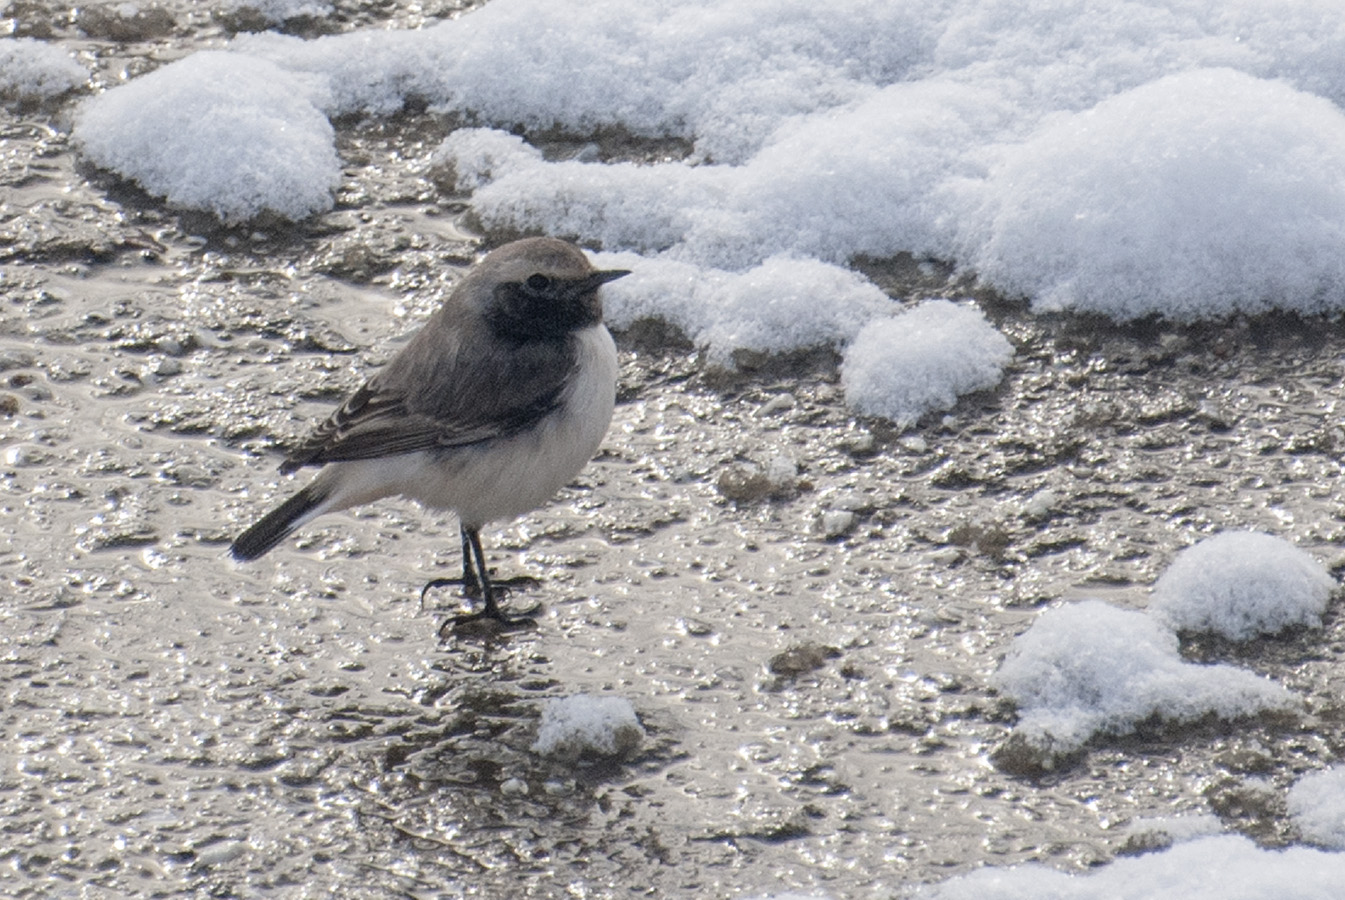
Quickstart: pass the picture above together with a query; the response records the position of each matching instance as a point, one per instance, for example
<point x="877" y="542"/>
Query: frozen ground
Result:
<point x="806" y="609"/>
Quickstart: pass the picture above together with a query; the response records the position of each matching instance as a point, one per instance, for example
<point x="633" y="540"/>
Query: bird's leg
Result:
<point x="471" y="584"/>
<point x="471" y="548"/>
<point x="474" y="558"/>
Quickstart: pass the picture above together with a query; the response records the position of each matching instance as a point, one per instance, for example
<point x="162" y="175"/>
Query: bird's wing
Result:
<point x="423" y="402"/>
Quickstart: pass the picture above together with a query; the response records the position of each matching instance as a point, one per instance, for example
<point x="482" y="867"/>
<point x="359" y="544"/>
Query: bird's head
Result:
<point x="541" y="289"/>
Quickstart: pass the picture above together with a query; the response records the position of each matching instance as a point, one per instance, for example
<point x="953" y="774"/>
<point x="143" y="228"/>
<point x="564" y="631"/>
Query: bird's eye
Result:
<point x="538" y="282"/>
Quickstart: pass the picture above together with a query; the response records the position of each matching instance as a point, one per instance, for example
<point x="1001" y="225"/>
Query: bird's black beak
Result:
<point x="585" y="290"/>
<point x="603" y="276"/>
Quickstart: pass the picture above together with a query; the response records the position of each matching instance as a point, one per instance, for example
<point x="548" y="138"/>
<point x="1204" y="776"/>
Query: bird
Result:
<point x="493" y="406"/>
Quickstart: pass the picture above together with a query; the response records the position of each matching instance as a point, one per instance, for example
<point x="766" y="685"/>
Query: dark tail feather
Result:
<point x="276" y="525"/>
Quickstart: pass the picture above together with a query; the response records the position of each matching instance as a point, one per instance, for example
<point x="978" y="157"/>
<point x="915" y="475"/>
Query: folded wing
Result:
<point x="438" y="395"/>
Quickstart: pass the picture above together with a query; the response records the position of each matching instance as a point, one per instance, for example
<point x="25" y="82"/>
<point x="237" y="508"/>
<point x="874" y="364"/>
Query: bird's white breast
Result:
<point x="503" y="479"/>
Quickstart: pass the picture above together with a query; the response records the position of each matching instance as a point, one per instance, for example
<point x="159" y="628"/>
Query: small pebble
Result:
<point x="21" y="455"/>
<point x="1040" y="504"/>
<point x="801" y="659"/>
<point x="781" y="471"/>
<point x="558" y="788"/>
<point x="861" y="444"/>
<point x="837" y="523"/>
<point x="218" y="854"/>
<point x="168" y="366"/>
<point x="776" y="404"/>
<point x="695" y="627"/>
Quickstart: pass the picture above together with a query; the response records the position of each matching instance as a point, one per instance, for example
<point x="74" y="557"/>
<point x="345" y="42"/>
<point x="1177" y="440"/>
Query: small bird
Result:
<point x="494" y="405"/>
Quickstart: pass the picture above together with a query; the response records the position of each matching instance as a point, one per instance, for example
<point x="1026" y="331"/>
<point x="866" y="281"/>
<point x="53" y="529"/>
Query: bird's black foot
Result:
<point x="478" y="585"/>
<point x="518" y="582"/>
<point x="471" y="588"/>
<point x="490" y="622"/>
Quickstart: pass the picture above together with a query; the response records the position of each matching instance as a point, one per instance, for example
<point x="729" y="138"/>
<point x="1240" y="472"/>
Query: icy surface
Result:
<point x="1090" y="668"/>
<point x="217" y="131"/>
<point x="922" y="360"/>
<point x="35" y="70"/>
<point x="587" y="725"/>
<point x="1241" y="584"/>
<point x="1212" y="868"/>
<point x="1317" y="807"/>
<point x="303" y="722"/>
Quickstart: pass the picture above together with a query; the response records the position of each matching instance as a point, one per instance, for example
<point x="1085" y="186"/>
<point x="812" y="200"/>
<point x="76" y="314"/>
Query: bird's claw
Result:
<point x="490" y="622"/>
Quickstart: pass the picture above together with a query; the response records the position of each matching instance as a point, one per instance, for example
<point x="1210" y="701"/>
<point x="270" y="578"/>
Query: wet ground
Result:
<point x="803" y="606"/>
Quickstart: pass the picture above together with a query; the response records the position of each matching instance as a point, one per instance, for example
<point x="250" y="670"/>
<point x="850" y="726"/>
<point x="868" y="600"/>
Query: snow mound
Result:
<point x="585" y="725"/>
<point x="1091" y="668"/>
<point x="1317" y="807"/>
<point x="783" y="304"/>
<point x="1241" y="584"/>
<point x="219" y="132"/>
<point x="1211" y="868"/>
<point x="922" y="360"/>
<point x="35" y="70"/>
<point x="1200" y="194"/>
